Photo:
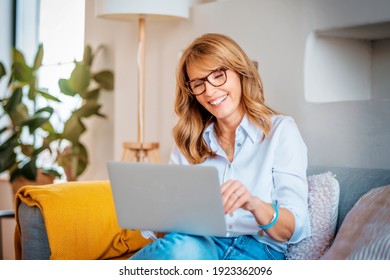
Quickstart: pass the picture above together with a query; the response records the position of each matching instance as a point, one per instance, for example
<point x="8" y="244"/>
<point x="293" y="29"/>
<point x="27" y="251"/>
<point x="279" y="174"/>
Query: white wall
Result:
<point x="8" y="225"/>
<point x="348" y="133"/>
<point x="100" y="133"/>
<point x="5" y="39"/>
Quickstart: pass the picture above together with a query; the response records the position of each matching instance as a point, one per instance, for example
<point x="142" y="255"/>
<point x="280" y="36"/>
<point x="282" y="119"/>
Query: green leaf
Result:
<point x="64" y="87"/>
<point x="17" y="56"/>
<point x="47" y="126"/>
<point x="105" y="79"/>
<point x="82" y="159"/>
<point x="27" y="150"/>
<point x="43" y="110"/>
<point x="7" y="152"/>
<point x="93" y="94"/>
<point x="52" y="172"/>
<point x="12" y="142"/>
<point x="19" y="115"/>
<point x="101" y="115"/>
<point x="88" y="56"/>
<point x="2" y="70"/>
<point x="64" y="158"/>
<point x="38" y="57"/>
<point x="15" y="174"/>
<point x="91" y="107"/>
<point x="79" y="79"/>
<point x="21" y="72"/>
<point x="73" y="129"/>
<point x="14" y="100"/>
<point x="74" y="160"/>
<point x="7" y="159"/>
<point x="29" y="170"/>
<point x="4" y="129"/>
<point x="48" y="96"/>
<point x="31" y="90"/>
<point x="34" y="122"/>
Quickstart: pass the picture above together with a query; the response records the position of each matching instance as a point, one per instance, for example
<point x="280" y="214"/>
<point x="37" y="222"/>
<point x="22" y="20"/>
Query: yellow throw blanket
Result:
<point x="80" y="221"/>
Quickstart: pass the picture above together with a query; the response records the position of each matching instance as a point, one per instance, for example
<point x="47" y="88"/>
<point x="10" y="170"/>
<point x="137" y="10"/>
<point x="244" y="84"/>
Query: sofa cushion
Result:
<point x="323" y="208"/>
<point x="365" y="232"/>
<point x="354" y="182"/>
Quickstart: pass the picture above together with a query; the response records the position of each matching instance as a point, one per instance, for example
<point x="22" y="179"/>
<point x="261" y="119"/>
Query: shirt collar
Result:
<point x="246" y="127"/>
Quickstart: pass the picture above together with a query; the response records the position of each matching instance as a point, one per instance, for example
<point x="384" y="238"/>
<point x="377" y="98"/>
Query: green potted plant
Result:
<point x="26" y="131"/>
<point x="86" y="84"/>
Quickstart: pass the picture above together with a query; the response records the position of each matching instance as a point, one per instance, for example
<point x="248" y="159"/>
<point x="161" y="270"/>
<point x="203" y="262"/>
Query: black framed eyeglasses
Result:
<point x="216" y="78"/>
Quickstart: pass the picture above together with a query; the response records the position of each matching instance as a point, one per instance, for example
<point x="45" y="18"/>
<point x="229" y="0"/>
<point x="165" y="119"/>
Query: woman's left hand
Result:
<point x="236" y="195"/>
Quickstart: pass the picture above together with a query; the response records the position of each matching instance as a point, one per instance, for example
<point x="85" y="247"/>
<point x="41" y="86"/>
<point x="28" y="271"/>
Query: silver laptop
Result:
<point x="167" y="198"/>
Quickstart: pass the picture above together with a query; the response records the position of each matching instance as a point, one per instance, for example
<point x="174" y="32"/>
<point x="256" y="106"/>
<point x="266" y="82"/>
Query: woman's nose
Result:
<point x="210" y="89"/>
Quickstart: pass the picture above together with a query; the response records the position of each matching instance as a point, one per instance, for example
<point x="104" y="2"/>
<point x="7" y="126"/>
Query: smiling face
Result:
<point x="224" y="102"/>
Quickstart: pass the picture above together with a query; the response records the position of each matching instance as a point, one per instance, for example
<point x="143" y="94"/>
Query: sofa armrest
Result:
<point x="71" y="220"/>
<point x="34" y="241"/>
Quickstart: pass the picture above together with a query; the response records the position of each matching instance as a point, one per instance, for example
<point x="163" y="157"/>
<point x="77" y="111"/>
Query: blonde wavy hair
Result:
<point x="193" y="118"/>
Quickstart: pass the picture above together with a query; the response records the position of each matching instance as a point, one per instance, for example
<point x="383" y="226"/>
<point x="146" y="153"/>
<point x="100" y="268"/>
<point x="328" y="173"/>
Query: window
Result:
<point x="61" y="31"/>
<point x="59" y="26"/>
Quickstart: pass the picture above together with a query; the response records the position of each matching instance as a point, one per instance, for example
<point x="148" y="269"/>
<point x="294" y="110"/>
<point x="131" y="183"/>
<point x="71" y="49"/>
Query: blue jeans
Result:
<point x="176" y="246"/>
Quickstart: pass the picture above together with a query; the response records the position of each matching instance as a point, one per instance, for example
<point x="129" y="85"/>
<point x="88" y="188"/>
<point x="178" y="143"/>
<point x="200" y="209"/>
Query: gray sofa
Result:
<point x="354" y="182"/>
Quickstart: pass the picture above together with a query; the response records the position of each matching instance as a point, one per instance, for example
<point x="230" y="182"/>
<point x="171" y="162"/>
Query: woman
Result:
<point x="260" y="156"/>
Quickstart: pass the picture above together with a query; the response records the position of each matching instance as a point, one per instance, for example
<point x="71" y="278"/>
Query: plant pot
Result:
<point x="42" y="179"/>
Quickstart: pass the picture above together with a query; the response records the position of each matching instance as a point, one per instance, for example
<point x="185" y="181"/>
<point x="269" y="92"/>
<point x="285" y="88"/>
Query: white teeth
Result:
<point x="218" y="100"/>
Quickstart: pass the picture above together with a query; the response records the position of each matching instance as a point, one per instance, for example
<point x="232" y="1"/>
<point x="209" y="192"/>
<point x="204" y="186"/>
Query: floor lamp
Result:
<point x="141" y="10"/>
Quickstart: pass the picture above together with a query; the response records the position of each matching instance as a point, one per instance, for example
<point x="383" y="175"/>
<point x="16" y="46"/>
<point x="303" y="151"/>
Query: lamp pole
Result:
<point x="141" y="150"/>
<point x="141" y="79"/>
<point x="135" y="9"/>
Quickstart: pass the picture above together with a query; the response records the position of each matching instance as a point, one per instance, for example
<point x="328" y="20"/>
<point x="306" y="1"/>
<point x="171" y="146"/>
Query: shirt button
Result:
<point x="238" y="144"/>
<point x="260" y="233"/>
<point x="230" y="226"/>
<point x="231" y="214"/>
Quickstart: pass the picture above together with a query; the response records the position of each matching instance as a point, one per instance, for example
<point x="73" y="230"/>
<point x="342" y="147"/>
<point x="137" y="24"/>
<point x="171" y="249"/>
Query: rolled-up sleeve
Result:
<point x="289" y="174"/>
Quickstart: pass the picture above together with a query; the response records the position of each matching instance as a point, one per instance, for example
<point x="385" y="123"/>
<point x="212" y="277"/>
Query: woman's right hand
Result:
<point x="236" y="195"/>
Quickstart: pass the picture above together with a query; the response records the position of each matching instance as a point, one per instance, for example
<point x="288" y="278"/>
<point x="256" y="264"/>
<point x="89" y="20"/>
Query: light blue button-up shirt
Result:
<point x="273" y="170"/>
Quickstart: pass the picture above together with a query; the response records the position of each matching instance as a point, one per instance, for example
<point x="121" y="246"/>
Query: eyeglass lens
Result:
<point x="216" y="78"/>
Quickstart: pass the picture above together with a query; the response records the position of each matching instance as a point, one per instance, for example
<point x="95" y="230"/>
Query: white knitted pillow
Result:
<point x="324" y="192"/>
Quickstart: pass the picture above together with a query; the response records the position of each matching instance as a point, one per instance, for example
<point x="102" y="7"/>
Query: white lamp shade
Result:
<point x="133" y="9"/>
